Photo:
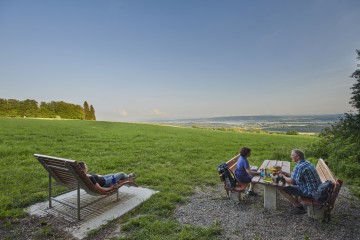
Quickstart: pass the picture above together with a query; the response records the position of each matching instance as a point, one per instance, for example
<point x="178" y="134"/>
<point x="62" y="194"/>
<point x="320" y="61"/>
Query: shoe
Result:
<point x="299" y="210"/>
<point x="252" y="194"/>
<point x="132" y="175"/>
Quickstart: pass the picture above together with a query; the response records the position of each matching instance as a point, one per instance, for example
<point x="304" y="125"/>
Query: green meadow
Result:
<point x="171" y="160"/>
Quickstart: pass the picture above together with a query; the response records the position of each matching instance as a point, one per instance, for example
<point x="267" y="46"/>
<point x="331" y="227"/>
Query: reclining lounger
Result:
<point x="69" y="174"/>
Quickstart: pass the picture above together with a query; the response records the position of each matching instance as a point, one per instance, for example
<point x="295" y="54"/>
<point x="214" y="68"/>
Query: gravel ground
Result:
<point x="209" y="206"/>
<point x="249" y="220"/>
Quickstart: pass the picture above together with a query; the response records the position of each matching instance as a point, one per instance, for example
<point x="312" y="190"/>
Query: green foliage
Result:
<point x="92" y="113"/>
<point x="67" y="110"/>
<point x="45" y="233"/>
<point x="355" y="99"/>
<point x="86" y="110"/>
<point x="340" y="143"/>
<point x="152" y="227"/>
<point x="292" y="132"/>
<point x="169" y="159"/>
<point x="30" y="108"/>
<point x="356" y="191"/>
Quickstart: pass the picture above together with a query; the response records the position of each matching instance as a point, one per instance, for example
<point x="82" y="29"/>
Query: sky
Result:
<point x="139" y="60"/>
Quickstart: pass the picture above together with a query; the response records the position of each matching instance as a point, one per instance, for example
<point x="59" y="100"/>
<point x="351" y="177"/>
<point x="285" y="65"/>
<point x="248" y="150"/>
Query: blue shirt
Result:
<point x="241" y="166"/>
<point x="305" y="177"/>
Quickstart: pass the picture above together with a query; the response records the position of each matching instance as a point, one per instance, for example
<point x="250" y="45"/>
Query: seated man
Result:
<point x="107" y="182"/>
<point x="304" y="179"/>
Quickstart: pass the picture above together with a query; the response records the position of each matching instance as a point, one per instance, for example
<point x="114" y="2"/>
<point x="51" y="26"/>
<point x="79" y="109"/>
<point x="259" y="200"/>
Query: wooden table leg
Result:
<point x="270" y="193"/>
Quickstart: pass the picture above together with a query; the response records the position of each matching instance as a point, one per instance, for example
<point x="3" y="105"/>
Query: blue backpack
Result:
<point x="323" y="193"/>
<point x="227" y="176"/>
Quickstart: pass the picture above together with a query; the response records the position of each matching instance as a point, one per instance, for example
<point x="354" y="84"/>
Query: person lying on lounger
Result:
<point x="107" y="182"/>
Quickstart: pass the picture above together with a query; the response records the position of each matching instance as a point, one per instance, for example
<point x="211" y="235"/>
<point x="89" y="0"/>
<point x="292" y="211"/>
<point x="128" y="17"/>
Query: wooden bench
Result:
<point x="234" y="193"/>
<point x="314" y="209"/>
<point x="68" y="173"/>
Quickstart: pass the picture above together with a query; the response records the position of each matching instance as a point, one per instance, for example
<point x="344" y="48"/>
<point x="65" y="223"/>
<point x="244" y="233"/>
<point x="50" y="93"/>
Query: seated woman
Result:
<point x="107" y="182"/>
<point x="243" y="171"/>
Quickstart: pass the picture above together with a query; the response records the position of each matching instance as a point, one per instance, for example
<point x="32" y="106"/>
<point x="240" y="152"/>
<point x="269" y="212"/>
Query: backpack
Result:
<point x="323" y="193"/>
<point x="227" y="176"/>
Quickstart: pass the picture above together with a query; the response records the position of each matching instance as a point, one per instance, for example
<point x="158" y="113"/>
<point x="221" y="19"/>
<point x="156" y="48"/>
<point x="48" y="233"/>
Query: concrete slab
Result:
<point x="94" y="215"/>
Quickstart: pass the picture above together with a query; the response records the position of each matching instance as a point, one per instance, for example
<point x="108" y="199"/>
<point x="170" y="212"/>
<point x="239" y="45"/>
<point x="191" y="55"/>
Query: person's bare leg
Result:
<point x="294" y="200"/>
<point x="251" y="186"/>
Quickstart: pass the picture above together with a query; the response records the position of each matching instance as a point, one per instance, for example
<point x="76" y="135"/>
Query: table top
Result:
<point x="285" y="166"/>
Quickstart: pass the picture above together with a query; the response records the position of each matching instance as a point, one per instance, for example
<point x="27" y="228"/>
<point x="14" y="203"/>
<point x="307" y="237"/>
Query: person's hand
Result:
<point x="286" y="179"/>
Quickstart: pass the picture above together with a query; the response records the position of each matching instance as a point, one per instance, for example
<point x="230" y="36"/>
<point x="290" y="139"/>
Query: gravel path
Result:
<point x="209" y="206"/>
<point x="249" y="220"/>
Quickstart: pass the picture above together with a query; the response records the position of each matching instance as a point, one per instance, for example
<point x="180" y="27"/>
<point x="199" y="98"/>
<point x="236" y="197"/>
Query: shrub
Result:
<point x="292" y="132"/>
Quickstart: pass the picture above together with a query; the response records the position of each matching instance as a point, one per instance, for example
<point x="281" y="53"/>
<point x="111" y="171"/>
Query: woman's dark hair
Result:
<point x="82" y="165"/>
<point x="244" y="151"/>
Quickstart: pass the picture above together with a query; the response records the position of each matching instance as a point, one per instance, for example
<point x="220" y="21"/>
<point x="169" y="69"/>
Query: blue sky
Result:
<point x="138" y="60"/>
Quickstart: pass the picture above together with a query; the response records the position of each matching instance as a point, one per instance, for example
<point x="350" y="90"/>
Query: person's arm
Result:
<point x="253" y="173"/>
<point x="289" y="180"/>
<point x="248" y="169"/>
<point x="286" y="174"/>
<point x="287" y="177"/>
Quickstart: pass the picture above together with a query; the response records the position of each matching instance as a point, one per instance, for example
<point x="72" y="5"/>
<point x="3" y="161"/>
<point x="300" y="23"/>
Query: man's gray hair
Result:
<point x="299" y="153"/>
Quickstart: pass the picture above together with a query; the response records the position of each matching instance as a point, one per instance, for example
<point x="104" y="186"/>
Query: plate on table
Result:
<point x="274" y="169"/>
<point x="268" y="179"/>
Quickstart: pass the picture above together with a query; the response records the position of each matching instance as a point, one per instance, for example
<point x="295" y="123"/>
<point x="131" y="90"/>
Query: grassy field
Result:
<point x="171" y="160"/>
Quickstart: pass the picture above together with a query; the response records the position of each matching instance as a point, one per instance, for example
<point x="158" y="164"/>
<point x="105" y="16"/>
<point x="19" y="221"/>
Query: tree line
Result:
<point x="31" y="108"/>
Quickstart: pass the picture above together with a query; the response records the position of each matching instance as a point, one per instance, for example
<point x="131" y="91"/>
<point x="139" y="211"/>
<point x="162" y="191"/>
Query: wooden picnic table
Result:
<point x="270" y="188"/>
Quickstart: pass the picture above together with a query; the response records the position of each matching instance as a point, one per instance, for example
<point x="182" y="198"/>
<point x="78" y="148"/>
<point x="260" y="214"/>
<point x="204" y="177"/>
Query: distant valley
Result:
<point x="281" y="123"/>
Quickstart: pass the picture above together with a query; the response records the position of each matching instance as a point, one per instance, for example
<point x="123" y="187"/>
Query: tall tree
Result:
<point x="3" y="107"/>
<point x="13" y="108"/>
<point x="355" y="99"/>
<point x="92" y="113"/>
<point x="29" y="108"/>
<point x="340" y="142"/>
<point x="45" y="111"/>
<point x="86" y="111"/>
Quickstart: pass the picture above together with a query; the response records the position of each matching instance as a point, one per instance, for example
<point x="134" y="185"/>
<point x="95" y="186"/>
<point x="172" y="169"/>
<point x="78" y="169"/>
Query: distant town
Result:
<point x="283" y="123"/>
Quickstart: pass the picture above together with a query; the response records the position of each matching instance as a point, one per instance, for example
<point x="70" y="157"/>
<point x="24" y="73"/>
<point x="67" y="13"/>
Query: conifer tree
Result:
<point x="92" y="113"/>
<point x="87" y="111"/>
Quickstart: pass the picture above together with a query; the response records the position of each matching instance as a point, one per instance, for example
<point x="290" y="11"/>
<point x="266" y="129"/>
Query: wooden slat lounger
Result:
<point x="69" y="174"/>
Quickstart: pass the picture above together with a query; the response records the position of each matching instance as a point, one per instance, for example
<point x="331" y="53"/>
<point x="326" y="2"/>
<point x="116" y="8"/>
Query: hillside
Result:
<point x="167" y="159"/>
